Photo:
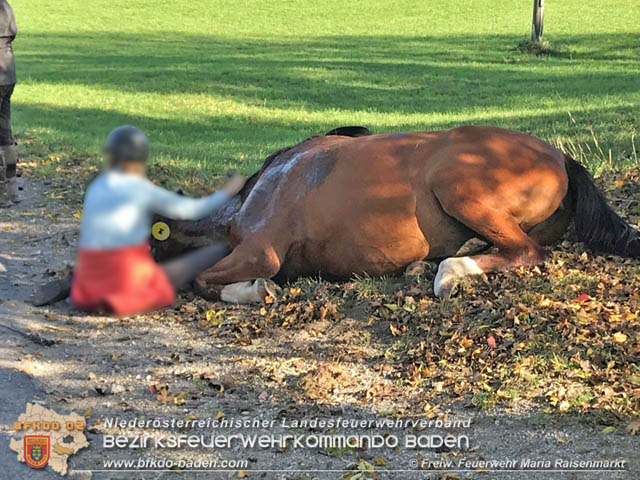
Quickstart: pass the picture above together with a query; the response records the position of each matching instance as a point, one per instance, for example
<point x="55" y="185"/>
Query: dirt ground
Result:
<point x="171" y="364"/>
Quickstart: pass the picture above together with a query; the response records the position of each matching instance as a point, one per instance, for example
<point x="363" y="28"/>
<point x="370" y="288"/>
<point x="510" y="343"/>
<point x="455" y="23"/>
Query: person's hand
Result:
<point x="235" y="184"/>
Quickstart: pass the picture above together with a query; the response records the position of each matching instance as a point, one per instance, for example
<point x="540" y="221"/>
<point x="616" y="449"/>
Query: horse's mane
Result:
<point x="253" y="179"/>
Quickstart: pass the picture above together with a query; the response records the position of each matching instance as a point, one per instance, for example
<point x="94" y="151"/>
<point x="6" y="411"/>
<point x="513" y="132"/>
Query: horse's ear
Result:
<point x="351" y="131"/>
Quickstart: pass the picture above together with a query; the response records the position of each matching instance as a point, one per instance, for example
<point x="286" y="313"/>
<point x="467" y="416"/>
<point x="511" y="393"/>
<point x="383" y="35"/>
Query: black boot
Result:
<point x="52" y="292"/>
<point x="5" y="199"/>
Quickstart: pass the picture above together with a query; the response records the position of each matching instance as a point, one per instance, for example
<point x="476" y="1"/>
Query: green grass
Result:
<point x="219" y="85"/>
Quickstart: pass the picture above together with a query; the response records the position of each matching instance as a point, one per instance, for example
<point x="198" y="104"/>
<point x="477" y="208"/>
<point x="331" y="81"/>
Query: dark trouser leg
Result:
<point x="8" y="145"/>
<point x="4" y="184"/>
<point x="6" y="135"/>
<point x="186" y="268"/>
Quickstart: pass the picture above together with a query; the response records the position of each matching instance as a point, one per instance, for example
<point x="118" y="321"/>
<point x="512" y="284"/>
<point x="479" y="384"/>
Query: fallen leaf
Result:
<point x="619" y="337"/>
<point x="583" y="297"/>
<point x="164" y="396"/>
<point x="366" y="466"/>
<point x="179" y="399"/>
<point x="634" y="427"/>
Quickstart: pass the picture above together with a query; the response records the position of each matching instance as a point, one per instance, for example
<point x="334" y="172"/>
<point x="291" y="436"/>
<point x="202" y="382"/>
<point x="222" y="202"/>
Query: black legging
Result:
<point x="187" y="267"/>
<point x="180" y="270"/>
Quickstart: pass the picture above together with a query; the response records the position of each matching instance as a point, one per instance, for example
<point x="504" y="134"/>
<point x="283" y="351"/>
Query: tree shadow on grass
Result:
<point x="276" y="92"/>
<point x="387" y="74"/>
<point x="191" y="147"/>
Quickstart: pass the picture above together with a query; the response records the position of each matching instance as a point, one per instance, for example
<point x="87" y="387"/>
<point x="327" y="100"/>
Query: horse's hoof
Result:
<point x="267" y="288"/>
<point x="447" y="290"/>
<point x="419" y="268"/>
<point x="450" y="271"/>
<point x="206" y="291"/>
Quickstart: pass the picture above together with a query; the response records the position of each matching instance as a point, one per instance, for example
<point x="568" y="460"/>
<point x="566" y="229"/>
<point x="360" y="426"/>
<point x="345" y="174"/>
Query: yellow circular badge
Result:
<point x="160" y="231"/>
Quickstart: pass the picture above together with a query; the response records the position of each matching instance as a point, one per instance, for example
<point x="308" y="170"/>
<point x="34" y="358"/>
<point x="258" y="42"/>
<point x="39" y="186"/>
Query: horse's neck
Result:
<point x="228" y="211"/>
<point x="218" y="220"/>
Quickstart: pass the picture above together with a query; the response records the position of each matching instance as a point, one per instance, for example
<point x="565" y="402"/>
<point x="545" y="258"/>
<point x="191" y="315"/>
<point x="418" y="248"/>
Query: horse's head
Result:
<point x="170" y="238"/>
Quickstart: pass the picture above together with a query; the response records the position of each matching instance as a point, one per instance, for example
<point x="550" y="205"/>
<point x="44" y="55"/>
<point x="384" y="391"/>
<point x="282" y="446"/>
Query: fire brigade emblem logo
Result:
<point x="43" y="437"/>
<point x="36" y="450"/>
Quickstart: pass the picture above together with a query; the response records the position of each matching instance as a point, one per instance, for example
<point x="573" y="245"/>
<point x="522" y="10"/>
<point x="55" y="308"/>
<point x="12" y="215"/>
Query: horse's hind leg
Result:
<point x="553" y="228"/>
<point x="241" y="277"/>
<point x="515" y="247"/>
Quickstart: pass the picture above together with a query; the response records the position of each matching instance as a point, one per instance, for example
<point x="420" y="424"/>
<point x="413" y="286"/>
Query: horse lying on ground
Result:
<point x="351" y="203"/>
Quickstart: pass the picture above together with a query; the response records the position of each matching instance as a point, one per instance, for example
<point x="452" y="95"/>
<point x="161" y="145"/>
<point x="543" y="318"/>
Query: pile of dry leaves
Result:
<point x="564" y="335"/>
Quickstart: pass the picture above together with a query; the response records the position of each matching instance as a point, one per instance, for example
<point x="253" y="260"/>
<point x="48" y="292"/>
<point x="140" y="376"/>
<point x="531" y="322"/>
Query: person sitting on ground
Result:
<point x="115" y="271"/>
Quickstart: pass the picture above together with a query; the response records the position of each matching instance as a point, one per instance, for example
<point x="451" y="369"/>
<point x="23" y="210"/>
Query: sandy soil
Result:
<point x="161" y="366"/>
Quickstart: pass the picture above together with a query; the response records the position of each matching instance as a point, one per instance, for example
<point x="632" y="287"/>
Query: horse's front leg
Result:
<point x="243" y="276"/>
<point x="250" y="291"/>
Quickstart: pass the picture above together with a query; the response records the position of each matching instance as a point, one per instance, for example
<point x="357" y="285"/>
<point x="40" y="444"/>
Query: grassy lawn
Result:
<point x="219" y="85"/>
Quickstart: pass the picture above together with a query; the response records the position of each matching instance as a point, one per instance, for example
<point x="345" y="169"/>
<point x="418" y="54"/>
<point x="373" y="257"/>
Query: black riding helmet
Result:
<point x="126" y="144"/>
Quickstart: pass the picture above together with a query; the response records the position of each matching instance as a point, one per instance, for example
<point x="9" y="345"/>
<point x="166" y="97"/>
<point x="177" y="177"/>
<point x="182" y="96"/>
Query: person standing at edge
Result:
<point x="8" y="146"/>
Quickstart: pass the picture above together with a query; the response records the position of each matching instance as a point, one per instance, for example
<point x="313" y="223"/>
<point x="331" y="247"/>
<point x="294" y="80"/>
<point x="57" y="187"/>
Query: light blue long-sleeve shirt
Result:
<point x="118" y="209"/>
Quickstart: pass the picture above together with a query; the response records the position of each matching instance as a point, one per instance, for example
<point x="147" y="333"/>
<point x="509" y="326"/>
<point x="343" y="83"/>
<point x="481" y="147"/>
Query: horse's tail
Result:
<point x="597" y="225"/>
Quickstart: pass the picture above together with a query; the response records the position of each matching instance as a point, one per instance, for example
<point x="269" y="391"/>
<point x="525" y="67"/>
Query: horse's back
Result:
<point x="499" y="169"/>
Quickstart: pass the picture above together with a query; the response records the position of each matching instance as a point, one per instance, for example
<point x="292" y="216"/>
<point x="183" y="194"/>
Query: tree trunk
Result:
<point x="537" y="25"/>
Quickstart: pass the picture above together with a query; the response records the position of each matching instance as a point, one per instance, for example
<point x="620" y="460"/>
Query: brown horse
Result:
<point x="354" y="203"/>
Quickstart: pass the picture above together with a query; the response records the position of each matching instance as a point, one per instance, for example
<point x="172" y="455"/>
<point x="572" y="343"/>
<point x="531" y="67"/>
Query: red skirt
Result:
<point x="124" y="281"/>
